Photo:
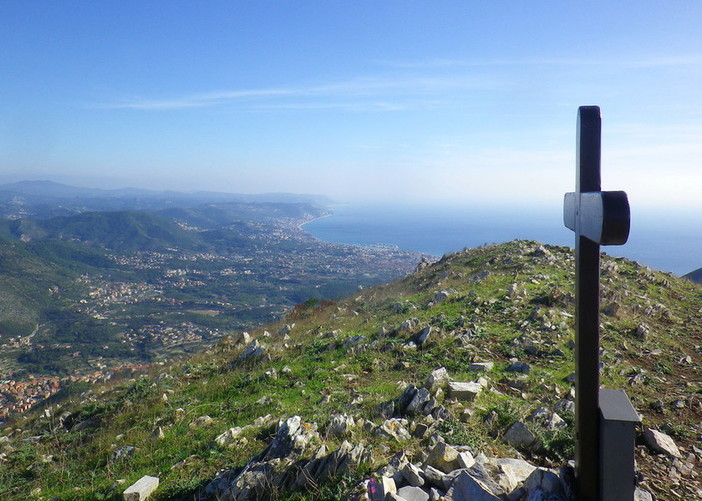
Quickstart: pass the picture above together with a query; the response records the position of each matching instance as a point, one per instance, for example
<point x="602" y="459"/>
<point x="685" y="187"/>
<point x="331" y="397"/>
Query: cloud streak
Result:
<point x="382" y="94"/>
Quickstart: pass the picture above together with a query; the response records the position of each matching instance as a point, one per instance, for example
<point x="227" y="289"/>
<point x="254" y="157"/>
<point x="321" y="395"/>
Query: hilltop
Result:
<point x="314" y="405"/>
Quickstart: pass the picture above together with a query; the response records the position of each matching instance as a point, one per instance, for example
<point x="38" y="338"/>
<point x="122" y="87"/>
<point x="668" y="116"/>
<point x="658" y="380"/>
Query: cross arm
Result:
<point x="599" y="216"/>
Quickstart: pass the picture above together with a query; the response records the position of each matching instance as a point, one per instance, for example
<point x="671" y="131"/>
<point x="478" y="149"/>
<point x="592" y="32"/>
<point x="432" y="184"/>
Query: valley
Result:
<point x="101" y="292"/>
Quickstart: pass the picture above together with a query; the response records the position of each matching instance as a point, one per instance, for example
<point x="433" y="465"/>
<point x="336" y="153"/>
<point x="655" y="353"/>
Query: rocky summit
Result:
<point x="454" y="382"/>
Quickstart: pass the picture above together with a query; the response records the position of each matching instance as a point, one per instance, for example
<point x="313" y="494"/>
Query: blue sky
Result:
<point x="399" y="101"/>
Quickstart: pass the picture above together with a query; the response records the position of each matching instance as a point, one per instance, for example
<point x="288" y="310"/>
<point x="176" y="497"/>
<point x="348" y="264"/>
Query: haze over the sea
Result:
<point x="655" y="241"/>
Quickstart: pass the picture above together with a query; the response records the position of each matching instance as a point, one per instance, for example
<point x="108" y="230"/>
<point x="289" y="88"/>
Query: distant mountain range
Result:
<point x="47" y="198"/>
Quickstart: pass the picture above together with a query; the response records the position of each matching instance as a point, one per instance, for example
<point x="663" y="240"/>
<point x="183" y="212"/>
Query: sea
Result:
<point x="666" y="240"/>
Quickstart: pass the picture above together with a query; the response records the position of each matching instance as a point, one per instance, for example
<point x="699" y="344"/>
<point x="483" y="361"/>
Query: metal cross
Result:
<point x="597" y="218"/>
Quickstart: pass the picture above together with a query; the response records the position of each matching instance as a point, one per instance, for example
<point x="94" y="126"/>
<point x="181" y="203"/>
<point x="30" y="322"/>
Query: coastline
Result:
<point x="300" y="226"/>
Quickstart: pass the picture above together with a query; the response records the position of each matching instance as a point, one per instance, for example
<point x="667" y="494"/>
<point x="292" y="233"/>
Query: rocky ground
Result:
<point x="455" y="382"/>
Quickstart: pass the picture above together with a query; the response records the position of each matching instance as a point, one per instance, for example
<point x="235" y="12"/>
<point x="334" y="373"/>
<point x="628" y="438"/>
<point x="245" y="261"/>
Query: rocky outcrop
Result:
<point x="281" y="466"/>
<point x="488" y="479"/>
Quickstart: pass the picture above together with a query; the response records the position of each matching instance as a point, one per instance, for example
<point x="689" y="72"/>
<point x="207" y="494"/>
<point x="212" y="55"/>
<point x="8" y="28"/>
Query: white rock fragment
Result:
<point x="660" y="442"/>
<point x="142" y="489"/>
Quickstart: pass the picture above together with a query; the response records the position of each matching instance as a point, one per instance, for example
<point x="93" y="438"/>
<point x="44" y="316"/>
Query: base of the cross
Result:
<point x="618" y="420"/>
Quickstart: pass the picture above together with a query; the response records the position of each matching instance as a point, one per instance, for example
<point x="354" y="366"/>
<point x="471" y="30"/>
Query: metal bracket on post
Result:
<point x="618" y="420"/>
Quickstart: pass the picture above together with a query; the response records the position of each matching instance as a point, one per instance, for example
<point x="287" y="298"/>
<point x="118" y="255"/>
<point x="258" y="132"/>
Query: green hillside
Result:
<point x="344" y="367"/>
<point x="121" y="231"/>
<point x="96" y="290"/>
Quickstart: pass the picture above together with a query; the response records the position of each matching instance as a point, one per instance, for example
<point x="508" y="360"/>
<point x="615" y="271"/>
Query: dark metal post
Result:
<point x="618" y="420"/>
<point x="587" y="323"/>
<point x="597" y="218"/>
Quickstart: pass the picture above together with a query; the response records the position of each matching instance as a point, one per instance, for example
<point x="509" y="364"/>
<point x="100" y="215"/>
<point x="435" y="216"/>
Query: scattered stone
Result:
<point x="253" y="352"/>
<point x="340" y="425"/>
<point x="443" y="457"/>
<point x="407" y="325"/>
<point x="396" y="428"/>
<point x="464" y="391"/>
<point x="384" y="410"/>
<point x="412" y="475"/>
<point x="353" y="341"/>
<point x="229" y="436"/>
<point x="122" y="453"/>
<point x="642" y="495"/>
<point x="519" y="436"/>
<point x="546" y="482"/>
<point x="387" y="486"/>
<point x="142" y="489"/>
<point x="519" y="367"/>
<point x="481" y="366"/>
<point x="410" y="493"/>
<point x="158" y="434"/>
<point x="642" y="331"/>
<point x="286" y="329"/>
<point x="420" y="429"/>
<point x="611" y="309"/>
<point x="406" y="398"/>
<point x="423" y="336"/>
<point x="565" y="406"/>
<point x="465" y="459"/>
<point x="420" y="399"/>
<point x="436" y="478"/>
<point x="437" y="380"/>
<point x="465" y="487"/>
<point x="443" y="295"/>
<point x="660" y="442"/>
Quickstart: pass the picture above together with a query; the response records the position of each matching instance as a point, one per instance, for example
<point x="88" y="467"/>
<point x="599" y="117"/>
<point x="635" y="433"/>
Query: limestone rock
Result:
<point x="340" y="425"/>
<point x="519" y="367"/>
<point x="292" y="436"/>
<point x="519" y="436"/>
<point x="412" y="475"/>
<point x="435" y="477"/>
<point x="384" y="410"/>
<point x="396" y="428"/>
<point x="379" y="490"/>
<point x="660" y="442"/>
<point x="122" y="453"/>
<point x="158" y="434"/>
<point x="424" y="336"/>
<point x="443" y="295"/>
<point x="229" y="436"/>
<point x="519" y="468"/>
<point x="481" y="366"/>
<point x="642" y="495"/>
<point x="443" y="457"/>
<point x="465" y="487"/>
<point x="438" y="379"/>
<point x="420" y="399"/>
<point x="544" y="485"/>
<point x="410" y="493"/>
<point x="465" y="459"/>
<point x="464" y="391"/>
<point x="406" y="398"/>
<point x="253" y="352"/>
<point x="142" y="489"/>
<point x="353" y="341"/>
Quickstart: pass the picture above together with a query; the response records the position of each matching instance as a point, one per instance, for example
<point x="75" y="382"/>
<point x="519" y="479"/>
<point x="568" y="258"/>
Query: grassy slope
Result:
<point x="533" y="326"/>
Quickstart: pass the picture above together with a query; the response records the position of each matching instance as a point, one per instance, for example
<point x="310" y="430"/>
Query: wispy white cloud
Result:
<point x="385" y="94"/>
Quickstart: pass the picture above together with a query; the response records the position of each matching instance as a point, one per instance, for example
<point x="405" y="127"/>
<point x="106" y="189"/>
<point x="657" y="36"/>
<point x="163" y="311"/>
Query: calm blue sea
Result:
<point x="669" y="242"/>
